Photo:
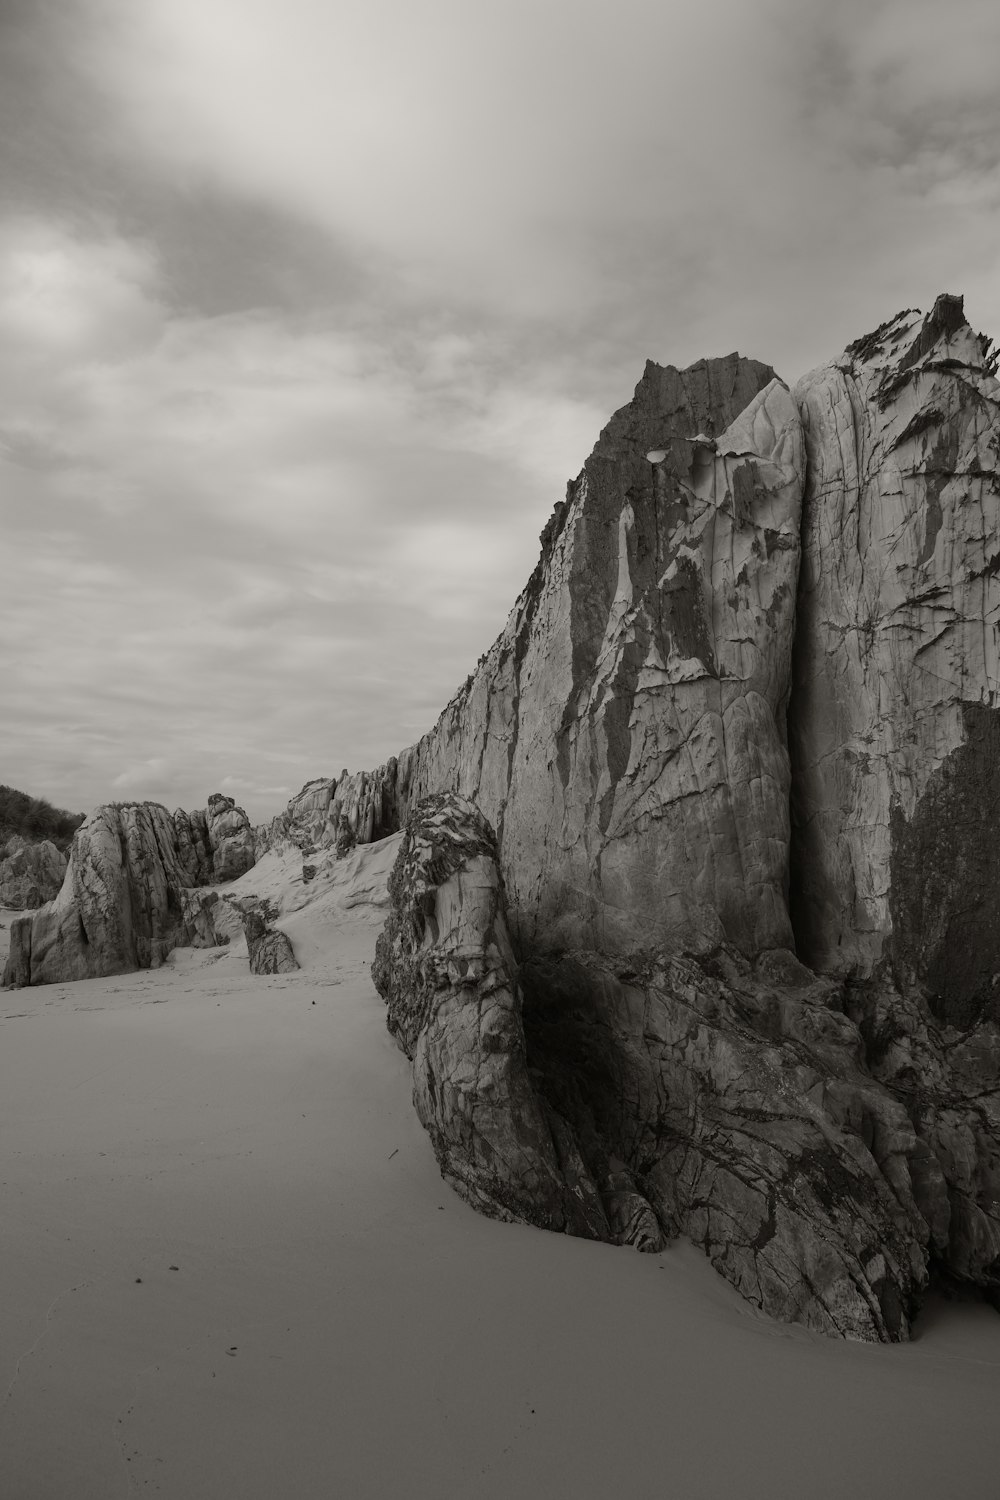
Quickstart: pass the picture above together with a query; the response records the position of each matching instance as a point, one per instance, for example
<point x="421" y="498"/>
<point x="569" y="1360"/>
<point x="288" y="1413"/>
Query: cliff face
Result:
<point x="894" y="729"/>
<point x="625" y="734"/>
<point x="829" y="1141"/>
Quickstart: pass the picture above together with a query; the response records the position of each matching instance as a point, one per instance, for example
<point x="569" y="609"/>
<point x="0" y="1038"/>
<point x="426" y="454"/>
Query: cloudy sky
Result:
<point x="309" y="309"/>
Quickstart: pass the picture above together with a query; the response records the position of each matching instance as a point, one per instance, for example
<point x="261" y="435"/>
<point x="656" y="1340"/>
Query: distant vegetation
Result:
<point x="35" y="819"/>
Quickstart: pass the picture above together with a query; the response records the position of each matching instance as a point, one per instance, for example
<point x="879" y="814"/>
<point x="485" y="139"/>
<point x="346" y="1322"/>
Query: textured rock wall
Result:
<point x="123" y="903"/>
<point x="30" y="874"/>
<point x="719" y="1098"/>
<point x="625" y="734"/>
<point x="893" y="727"/>
<point x="126" y="899"/>
<point x="445" y="966"/>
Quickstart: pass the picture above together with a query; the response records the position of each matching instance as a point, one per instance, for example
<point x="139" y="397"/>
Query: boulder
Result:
<point x="231" y="839"/>
<point x="268" y="948"/>
<point x="123" y="904"/>
<point x="30" y="874"/>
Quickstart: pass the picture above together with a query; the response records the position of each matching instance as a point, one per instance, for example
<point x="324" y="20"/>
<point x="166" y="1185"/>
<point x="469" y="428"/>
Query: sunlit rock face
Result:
<point x="625" y="734"/>
<point x="123" y="903"/>
<point x="894" y="731"/>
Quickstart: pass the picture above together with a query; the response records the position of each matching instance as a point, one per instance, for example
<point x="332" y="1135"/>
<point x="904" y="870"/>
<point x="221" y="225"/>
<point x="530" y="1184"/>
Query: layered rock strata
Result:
<point x="30" y="874"/>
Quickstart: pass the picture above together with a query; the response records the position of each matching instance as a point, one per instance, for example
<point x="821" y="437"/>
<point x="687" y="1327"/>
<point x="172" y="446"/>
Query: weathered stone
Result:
<point x="735" y="1096"/>
<point x="893" y="727"/>
<point x="305" y="822"/>
<point x="30" y="874"/>
<point x="363" y="808"/>
<point x="268" y="948"/>
<point x="122" y="906"/>
<point x="625" y="734"/>
<point x="445" y="966"/>
<point x="193" y="846"/>
<point x="231" y="839"/>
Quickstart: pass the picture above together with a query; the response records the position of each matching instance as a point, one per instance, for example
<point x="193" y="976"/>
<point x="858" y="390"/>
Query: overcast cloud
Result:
<point x="308" y="311"/>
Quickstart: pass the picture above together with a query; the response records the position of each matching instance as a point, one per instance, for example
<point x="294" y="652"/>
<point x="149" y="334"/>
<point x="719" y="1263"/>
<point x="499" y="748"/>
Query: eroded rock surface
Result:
<point x="445" y="967"/>
<point x="122" y="906"/>
<point x="893" y="726"/>
<point x="268" y="948"/>
<point x="30" y="874"/>
<point x="830" y="1141"/>
<point x="625" y="734"/>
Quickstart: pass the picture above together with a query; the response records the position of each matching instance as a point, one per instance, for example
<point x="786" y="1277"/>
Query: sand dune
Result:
<point x="231" y="1269"/>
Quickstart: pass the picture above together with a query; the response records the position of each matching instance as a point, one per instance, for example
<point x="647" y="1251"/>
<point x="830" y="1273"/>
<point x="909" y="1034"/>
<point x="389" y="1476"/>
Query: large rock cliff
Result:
<point x="894" y="729"/>
<point x="625" y="734"/>
<point x="830" y="1141"/>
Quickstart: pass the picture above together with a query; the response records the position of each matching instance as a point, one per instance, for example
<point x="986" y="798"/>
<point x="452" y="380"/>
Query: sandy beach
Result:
<point x="231" y="1269"/>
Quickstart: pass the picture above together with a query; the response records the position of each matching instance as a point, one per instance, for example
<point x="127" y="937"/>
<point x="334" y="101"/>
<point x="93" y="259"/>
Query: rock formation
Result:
<point x="30" y="874"/>
<point x="625" y="734"/>
<point x="894" y="728"/>
<point x="445" y="966"/>
<point x="126" y="899"/>
<point x="716" y="1097"/>
<point x="123" y="903"/>
<point x="830" y="1136"/>
<point x="268" y="948"/>
<point x="214" y="845"/>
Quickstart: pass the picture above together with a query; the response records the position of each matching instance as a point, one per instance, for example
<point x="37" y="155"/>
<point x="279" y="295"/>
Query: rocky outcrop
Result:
<point x="718" y="1098"/>
<point x="268" y="948"/>
<point x="446" y="969"/>
<point x="216" y="844"/>
<point x="305" y="821"/>
<point x="30" y="874"/>
<point x="829" y="1138"/>
<point x="193" y="846"/>
<point x="230" y="837"/>
<point x="625" y="734"/>
<point x="123" y="903"/>
<point x="894" y="726"/>
<point x="127" y="896"/>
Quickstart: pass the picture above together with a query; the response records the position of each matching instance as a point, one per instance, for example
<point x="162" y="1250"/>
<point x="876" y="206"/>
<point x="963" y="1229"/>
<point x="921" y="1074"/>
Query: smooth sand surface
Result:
<point x="230" y="1269"/>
